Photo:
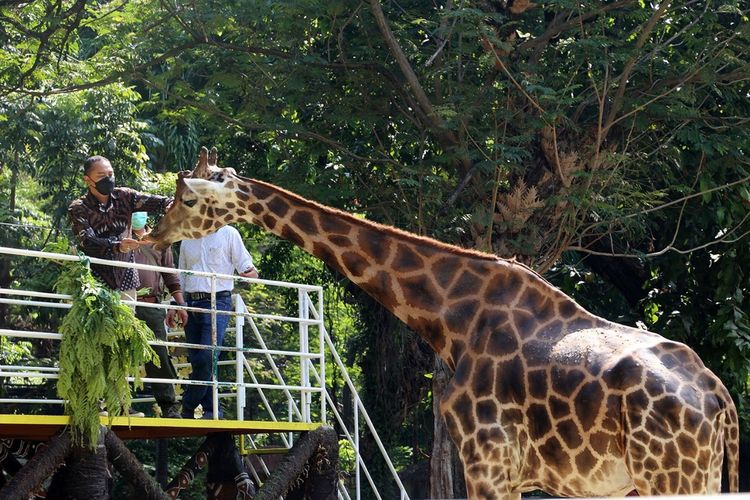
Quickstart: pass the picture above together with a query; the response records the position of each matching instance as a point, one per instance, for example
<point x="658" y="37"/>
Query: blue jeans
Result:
<point x="198" y="331"/>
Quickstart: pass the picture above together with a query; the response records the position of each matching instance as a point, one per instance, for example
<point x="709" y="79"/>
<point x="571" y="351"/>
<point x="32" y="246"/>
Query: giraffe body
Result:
<point x="545" y="395"/>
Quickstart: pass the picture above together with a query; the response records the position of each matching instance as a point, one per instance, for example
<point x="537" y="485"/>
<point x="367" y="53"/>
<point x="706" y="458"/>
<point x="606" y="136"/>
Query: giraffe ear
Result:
<point x="201" y="168"/>
<point x="213" y="156"/>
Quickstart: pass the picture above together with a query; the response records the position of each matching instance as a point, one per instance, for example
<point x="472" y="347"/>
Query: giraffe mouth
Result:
<point x="157" y="239"/>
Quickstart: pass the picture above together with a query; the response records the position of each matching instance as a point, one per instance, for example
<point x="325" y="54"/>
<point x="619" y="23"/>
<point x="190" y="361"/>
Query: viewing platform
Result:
<point x="43" y="427"/>
<point x="270" y="376"/>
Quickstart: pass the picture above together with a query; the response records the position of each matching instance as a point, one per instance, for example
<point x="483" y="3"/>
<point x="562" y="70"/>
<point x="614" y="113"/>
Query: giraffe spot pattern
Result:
<point x="406" y="259"/>
<point x="587" y="403"/>
<point x="568" y="431"/>
<point x="290" y="234"/>
<point x="585" y="461"/>
<point x="260" y="191"/>
<point x="340" y="241"/>
<point x="553" y="452"/>
<point x="444" y="270"/>
<point x="468" y="283"/>
<point x="354" y="263"/>
<point x="566" y="308"/>
<point x="463" y="371"/>
<point x="559" y="407"/>
<point x="537" y="384"/>
<point x="502" y="288"/>
<point x="566" y="381"/>
<point x="333" y="225"/>
<point x="278" y="207"/>
<point x="325" y="253"/>
<point x="539" y="421"/>
<point x="371" y="244"/>
<point x="462" y="406"/>
<point x="432" y="330"/>
<point x="500" y="342"/>
<point x="510" y="383"/>
<point x="379" y="284"/>
<point x="269" y="221"/>
<point x="483" y="377"/>
<point x="419" y="293"/>
<point x="487" y="411"/>
<point x="305" y="221"/>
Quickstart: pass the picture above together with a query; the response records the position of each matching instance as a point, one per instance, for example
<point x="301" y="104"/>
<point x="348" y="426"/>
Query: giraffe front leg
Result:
<point x="488" y="469"/>
<point x="490" y="462"/>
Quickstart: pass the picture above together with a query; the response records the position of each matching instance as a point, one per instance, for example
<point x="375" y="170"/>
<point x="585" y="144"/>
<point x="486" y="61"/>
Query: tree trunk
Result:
<point x="41" y="466"/>
<point x="131" y="469"/>
<point x="446" y="472"/>
<point x="316" y="455"/>
<point x="162" y="461"/>
<point x="86" y="474"/>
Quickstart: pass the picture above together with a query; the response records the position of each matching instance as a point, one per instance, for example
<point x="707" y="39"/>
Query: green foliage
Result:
<point x="102" y="344"/>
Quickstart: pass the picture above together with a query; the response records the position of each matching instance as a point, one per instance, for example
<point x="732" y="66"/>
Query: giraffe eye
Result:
<point x="190" y="203"/>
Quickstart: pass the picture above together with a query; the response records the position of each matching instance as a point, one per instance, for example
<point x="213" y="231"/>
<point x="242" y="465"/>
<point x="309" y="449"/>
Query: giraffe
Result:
<point x="545" y="395"/>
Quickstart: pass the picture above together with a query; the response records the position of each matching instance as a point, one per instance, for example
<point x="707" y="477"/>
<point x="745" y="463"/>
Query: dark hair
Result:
<point x="91" y="161"/>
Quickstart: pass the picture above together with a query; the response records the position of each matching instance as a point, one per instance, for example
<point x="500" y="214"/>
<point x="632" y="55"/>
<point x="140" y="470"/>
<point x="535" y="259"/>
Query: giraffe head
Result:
<point x="205" y="199"/>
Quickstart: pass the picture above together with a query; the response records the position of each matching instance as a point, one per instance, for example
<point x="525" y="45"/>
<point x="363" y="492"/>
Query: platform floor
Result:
<point x="42" y="427"/>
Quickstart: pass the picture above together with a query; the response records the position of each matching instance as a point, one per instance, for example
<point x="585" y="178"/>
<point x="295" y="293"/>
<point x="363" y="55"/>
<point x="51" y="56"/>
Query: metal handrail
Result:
<point x="312" y="382"/>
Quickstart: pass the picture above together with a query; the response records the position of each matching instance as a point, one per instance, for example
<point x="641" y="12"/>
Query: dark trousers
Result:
<point x="198" y="331"/>
<point x="163" y="393"/>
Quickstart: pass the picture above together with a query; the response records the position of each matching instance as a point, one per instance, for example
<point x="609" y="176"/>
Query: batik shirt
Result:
<point x="100" y="227"/>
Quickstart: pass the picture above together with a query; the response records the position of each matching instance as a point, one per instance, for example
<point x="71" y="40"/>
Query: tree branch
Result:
<point x="114" y="77"/>
<point x="666" y="205"/>
<point x="297" y="134"/>
<point x="556" y="30"/>
<point x="435" y="122"/>
<point x="627" y="70"/>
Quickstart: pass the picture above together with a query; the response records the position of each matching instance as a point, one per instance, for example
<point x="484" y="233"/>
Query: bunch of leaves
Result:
<point x="103" y="343"/>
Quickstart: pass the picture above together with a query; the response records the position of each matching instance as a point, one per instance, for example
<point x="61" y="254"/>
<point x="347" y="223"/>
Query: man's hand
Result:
<point x="252" y="273"/>
<point x="128" y="244"/>
<point x="176" y="317"/>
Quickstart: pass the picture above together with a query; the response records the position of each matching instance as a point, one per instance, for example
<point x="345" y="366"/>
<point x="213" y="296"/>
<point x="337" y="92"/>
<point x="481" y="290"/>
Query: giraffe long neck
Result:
<point x="446" y="294"/>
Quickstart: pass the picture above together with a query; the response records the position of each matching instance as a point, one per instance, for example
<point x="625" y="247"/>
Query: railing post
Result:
<point x="304" y="313"/>
<point x="291" y="419"/>
<point x="356" y="444"/>
<point x="239" y="356"/>
<point x="321" y="343"/>
<point x="214" y="353"/>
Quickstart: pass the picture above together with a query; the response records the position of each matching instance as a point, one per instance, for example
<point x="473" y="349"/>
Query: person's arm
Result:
<point x="241" y="258"/>
<point x="172" y="282"/>
<point x="90" y="243"/>
<point x="181" y="265"/>
<point x="151" y="203"/>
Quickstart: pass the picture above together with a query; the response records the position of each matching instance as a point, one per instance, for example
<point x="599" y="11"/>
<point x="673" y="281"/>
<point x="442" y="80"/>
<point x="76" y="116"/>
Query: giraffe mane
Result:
<point x="439" y="245"/>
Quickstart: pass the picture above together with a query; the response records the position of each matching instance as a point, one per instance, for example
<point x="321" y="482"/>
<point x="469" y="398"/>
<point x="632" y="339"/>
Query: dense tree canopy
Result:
<point x="604" y="143"/>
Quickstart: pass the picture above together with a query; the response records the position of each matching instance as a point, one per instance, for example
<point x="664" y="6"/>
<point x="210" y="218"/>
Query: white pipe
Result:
<point x="147" y="267"/>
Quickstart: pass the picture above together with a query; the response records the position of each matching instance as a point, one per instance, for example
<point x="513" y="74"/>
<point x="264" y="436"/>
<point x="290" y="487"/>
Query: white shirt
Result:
<point x="221" y="252"/>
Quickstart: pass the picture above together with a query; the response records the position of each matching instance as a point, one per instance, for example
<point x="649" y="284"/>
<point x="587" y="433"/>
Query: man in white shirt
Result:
<point x="221" y="252"/>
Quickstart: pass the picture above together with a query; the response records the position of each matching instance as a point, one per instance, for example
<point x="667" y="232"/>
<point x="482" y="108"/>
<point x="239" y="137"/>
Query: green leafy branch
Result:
<point x="103" y="343"/>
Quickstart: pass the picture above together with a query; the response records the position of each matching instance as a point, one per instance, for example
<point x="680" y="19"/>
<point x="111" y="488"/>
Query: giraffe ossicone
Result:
<point x="545" y="395"/>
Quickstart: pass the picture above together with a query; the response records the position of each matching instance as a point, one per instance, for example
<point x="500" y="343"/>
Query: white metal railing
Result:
<point x="309" y="401"/>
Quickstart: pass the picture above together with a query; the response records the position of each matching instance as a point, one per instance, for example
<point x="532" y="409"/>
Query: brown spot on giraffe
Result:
<point x="278" y="207"/>
<point x="305" y="222"/>
<point x="546" y="395"/>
